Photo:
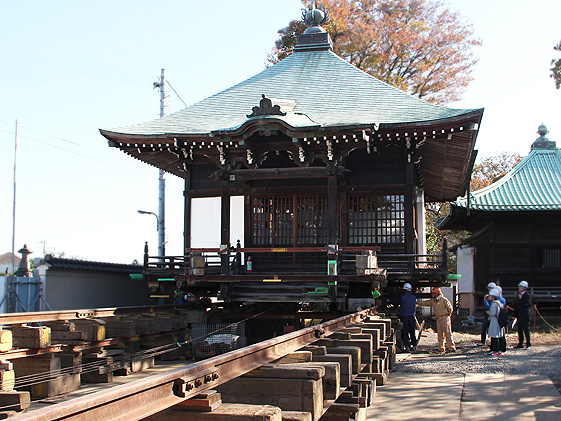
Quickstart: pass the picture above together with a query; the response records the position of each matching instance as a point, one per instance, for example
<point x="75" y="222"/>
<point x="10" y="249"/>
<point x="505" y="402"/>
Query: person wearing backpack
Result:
<point x="496" y="332"/>
<point x="522" y="313"/>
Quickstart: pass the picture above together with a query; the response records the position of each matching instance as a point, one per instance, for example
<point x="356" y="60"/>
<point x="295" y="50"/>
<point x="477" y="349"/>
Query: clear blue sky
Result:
<point x="68" y="68"/>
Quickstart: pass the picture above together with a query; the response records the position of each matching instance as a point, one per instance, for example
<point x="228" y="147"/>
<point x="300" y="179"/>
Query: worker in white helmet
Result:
<point x="407" y="303"/>
<point x="522" y="313"/>
<point x="487" y="303"/>
<point x="496" y="332"/>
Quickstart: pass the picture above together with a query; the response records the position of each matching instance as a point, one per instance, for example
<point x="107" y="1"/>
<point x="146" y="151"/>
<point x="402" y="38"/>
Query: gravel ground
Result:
<point x="542" y="358"/>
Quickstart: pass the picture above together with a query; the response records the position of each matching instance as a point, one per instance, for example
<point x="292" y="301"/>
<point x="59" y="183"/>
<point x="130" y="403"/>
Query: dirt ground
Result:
<point x="466" y="338"/>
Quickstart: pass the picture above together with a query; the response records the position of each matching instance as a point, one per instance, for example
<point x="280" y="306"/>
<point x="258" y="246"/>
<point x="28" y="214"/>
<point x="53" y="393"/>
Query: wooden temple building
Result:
<point x="334" y="167"/>
<point x="515" y="226"/>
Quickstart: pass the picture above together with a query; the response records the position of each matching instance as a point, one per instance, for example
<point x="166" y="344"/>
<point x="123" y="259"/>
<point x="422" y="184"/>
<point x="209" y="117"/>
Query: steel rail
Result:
<point x="53" y="316"/>
<point x="141" y="398"/>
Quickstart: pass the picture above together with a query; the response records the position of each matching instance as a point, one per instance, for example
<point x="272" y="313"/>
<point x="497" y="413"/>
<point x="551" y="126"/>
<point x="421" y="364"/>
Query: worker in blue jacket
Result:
<point x="487" y="303"/>
<point x="407" y="303"/>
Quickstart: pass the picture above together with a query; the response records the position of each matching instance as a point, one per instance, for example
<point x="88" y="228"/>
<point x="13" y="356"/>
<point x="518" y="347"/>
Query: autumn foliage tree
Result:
<point x="556" y="69"/>
<point x="418" y="46"/>
<point x="486" y="172"/>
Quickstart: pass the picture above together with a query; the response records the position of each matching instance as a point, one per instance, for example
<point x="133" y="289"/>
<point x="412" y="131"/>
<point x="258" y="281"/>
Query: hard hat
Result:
<point x="491" y="285"/>
<point x="499" y="289"/>
<point x="495" y="292"/>
<point x="407" y="286"/>
<point x="436" y="290"/>
<point x="523" y="284"/>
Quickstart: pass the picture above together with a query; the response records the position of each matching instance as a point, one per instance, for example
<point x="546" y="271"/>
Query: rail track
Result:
<point x="362" y="331"/>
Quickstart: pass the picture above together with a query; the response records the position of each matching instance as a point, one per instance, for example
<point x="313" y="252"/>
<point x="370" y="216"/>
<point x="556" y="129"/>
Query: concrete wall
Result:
<point x="65" y="290"/>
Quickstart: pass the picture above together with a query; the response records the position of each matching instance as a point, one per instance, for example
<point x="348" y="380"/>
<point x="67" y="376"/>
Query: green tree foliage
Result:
<point x="556" y="69"/>
<point x="418" y="46"/>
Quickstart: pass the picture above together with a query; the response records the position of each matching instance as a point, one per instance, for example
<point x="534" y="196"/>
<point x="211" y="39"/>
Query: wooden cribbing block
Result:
<point x="365" y="346"/>
<point x="75" y="337"/>
<point x="376" y="337"/>
<point x="178" y="322"/>
<point x="354" y="329"/>
<point x="120" y="328"/>
<point x="158" y="341"/>
<point x="289" y="394"/>
<point x="7" y="379"/>
<point x="296" y="416"/>
<point x="378" y="365"/>
<point x="331" y="379"/>
<point x="6" y="340"/>
<point x="59" y="384"/>
<point x="345" y="368"/>
<point x="14" y="401"/>
<point x="390" y="346"/>
<point x="61" y="325"/>
<point x="379" y="325"/>
<point x="340" y="335"/>
<point x="163" y="323"/>
<point x="287" y="371"/>
<point x="345" y="411"/>
<point x="195" y="316"/>
<point x="94" y="329"/>
<point x="353" y="351"/>
<point x="204" y="402"/>
<point x="381" y="378"/>
<point x="327" y="342"/>
<point x="31" y="336"/>
<point x="39" y="364"/>
<point x="73" y="360"/>
<point x="369" y="388"/>
<point x="144" y="325"/>
<point x="62" y="385"/>
<point x="295" y="357"/>
<point x="382" y="352"/>
<point x="101" y="369"/>
<point x="315" y="350"/>
<point x="225" y="412"/>
<point x="137" y="365"/>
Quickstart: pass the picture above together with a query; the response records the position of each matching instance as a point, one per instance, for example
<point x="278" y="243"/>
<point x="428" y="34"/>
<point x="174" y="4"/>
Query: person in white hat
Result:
<point x="487" y="303"/>
<point x="496" y="332"/>
<point x="522" y="313"/>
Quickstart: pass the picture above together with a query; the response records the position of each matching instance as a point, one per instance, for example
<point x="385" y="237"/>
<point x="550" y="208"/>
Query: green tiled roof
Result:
<point x="324" y="90"/>
<point x="534" y="184"/>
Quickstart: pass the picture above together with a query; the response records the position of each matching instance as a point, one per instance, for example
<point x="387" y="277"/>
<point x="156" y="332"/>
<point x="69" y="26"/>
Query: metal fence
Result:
<point x="210" y="339"/>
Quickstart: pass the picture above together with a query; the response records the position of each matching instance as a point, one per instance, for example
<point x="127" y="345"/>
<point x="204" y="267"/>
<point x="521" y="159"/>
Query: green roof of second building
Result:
<point x="534" y="184"/>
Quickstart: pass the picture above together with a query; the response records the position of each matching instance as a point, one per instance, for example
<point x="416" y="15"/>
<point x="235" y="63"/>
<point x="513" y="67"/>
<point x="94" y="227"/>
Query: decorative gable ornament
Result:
<point x="266" y="107"/>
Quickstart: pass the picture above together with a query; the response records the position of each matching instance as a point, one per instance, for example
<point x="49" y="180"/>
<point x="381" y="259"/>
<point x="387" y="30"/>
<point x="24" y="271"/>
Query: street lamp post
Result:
<point x="159" y="228"/>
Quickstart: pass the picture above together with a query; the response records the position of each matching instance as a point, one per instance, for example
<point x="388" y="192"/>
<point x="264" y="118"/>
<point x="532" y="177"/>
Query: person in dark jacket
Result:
<point x="407" y="303"/>
<point x="522" y="313"/>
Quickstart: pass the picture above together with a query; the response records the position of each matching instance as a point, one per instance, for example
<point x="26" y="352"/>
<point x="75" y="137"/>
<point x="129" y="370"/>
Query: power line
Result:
<point x="173" y="89"/>
<point x="79" y="154"/>
<point x="70" y="142"/>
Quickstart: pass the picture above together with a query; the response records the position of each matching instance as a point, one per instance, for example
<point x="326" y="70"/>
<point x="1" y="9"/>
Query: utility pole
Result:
<point x="162" y="180"/>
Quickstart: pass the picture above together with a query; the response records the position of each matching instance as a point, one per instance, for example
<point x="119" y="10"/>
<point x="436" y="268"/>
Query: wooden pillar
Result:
<point x="332" y="228"/>
<point x="187" y="197"/>
<point x="225" y="226"/>
<point x="332" y="221"/>
<point x="409" y="205"/>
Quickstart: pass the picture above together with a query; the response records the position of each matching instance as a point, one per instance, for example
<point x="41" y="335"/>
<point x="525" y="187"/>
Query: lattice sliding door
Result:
<point x="376" y="219"/>
<point x="289" y="221"/>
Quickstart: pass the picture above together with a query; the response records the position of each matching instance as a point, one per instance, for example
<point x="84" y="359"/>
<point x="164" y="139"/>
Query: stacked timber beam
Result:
<point x="57" y="357"/>
<point x="333" y="379"/>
